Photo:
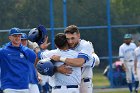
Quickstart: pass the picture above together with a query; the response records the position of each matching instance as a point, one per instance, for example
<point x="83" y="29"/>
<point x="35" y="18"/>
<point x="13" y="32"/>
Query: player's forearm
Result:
<point x="77" y="62"/>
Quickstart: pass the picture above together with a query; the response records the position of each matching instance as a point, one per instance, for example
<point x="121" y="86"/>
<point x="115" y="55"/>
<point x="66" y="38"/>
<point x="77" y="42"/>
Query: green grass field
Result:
<point x="114" y="92"/>
<point x="101" y="84"/>
<point x="99" y="80"/>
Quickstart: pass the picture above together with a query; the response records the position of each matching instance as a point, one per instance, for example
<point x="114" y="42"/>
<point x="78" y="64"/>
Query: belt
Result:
<point x="86" y="79"/>
<point x="131" y="60"/>
<point x="68" y="86"/>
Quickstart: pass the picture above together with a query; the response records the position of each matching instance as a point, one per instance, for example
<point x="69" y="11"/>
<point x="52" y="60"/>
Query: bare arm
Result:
<point x="76" y="62"/>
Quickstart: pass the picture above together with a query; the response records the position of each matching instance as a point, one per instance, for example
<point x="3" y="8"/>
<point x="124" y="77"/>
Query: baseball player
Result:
<point x="14" y="64"/>
<point x="33" y="87"/>
<point x="85" y="48"/>
<point x="137" y="60"/>
<point x="65" y="83"/>
<point x="126" y="52"/>
<point x="90" y="64"/>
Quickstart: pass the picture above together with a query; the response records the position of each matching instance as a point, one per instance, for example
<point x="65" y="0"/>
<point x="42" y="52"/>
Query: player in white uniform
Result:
<point x="137" y="60"/>
<point x="66" y="83"/>
<point x="84" y="47"/>
<point x="126" y="52"/>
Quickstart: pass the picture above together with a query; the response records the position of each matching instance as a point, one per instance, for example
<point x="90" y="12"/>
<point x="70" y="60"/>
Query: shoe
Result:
<point x="136" y="91"/>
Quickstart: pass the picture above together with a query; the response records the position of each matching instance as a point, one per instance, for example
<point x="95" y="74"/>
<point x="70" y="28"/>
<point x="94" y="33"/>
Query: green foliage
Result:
<point x="30" y="13"/>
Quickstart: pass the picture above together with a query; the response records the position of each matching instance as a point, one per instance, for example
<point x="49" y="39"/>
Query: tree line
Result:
<point x="30" y="13"/>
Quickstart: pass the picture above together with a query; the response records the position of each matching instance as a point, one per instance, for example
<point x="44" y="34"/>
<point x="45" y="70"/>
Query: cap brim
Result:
<point x="16" y="34"/>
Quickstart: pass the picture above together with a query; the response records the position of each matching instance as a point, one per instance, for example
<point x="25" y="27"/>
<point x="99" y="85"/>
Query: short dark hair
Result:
<point x="71" y="29"/>
<point x="60" y="40"/>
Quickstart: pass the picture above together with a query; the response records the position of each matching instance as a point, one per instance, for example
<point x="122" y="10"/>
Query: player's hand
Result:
<point x="64" y="69"/>
<point x="32" y="45"/>
<point x="39" y="77"/>
<point x="45" y="45"/>
<point x="55" y="58"/>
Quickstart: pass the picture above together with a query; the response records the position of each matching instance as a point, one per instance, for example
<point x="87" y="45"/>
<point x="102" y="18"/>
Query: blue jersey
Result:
<point x="14" y="64"/>
<point x="33" y="74"/>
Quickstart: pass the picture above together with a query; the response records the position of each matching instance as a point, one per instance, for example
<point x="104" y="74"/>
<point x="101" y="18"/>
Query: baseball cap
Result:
<point x="24" y="36"/>
<point x="14" y="31"/>
<point x="127" y="36"/>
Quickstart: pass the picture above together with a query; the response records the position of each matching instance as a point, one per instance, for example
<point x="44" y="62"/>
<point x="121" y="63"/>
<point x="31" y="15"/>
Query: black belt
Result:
<point x="86" y="79"/>
<point x="68" y="86"/>
<point x="131" y="60"/>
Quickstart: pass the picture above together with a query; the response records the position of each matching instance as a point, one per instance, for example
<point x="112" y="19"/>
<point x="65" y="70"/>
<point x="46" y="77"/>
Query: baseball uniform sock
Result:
<point x="130" y="86"/>
<point x="136" y="85"/>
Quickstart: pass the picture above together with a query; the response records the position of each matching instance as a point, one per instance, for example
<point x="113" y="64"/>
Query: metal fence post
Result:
<point x="65" y="12"/>
<point x="109" y="41"/>
<point x="52" y="24"/>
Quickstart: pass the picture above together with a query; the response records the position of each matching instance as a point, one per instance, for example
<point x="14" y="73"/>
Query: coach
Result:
<point x="14" y="63"/>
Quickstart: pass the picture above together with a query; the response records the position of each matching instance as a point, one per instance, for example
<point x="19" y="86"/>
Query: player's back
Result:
<point x="72" y="79"/>
<point x="62" y="79"/>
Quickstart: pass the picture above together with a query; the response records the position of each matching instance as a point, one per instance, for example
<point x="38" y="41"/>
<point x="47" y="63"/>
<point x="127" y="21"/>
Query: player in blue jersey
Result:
<point x="14" y="64"/>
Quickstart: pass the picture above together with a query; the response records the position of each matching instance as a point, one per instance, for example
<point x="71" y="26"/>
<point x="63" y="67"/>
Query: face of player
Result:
<point x="127" y="41"/>
<point x="15" y="39"/>
<point x="24" y="42"/>
<point x="73" y="39"/>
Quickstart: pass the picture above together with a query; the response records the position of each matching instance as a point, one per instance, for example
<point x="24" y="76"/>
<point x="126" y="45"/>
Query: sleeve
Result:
<point x="29" y="53"/>
<point x="121" y="55"/>
<point x="87" y="51"/>
<point x="48" y="54"/>
<point x="91" y="48"/>
<point x="44" y="54"/>
<point x="82" y="55"/>
<point x="31" y="56"/>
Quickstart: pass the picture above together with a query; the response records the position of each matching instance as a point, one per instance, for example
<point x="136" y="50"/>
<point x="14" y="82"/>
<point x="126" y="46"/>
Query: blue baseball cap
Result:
<point x="15" y="31"/>
<point x="24" y="36"/>
<point x="127" y="36"/>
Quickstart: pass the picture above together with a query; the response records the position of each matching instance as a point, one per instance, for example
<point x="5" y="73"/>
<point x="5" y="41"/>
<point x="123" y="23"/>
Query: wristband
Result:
<point x="63" y="59"/>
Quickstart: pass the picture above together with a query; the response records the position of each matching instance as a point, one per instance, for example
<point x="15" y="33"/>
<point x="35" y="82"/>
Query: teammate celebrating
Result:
<point x="126" y="52"/>
<point x="65" y="83"/>
<point x="33" y="87"/>
<point x="85" y="48"/>
<point x="14" y="64"/>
